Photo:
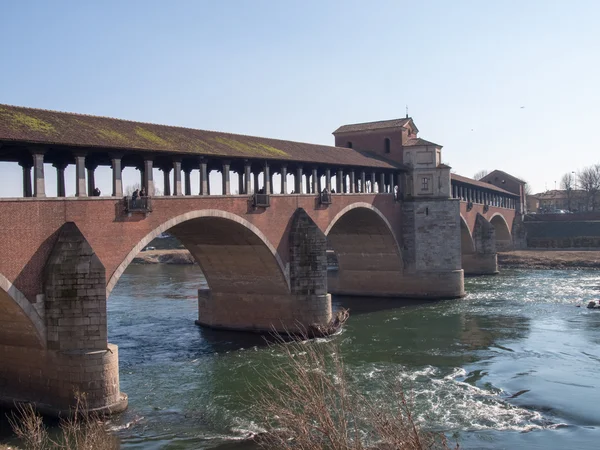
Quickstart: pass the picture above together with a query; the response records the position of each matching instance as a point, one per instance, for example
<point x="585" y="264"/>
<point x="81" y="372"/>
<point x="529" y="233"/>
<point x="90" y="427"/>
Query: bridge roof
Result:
<point x="480" y="184"/>
<point x="368" y="126"/>
<point x="53" y="128"/>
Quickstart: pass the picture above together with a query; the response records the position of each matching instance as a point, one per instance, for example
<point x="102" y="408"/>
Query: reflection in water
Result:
<point x="515" y="355"/>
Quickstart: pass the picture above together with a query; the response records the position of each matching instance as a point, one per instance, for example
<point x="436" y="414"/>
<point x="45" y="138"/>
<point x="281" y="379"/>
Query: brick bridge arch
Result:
<point x="368" y="255"/>
<point x="502" y="233"/>
<point x="177" y="227"/>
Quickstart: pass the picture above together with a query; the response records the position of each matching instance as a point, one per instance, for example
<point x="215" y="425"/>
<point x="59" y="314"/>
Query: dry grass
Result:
<point x="309" y="404"/>
<point x="80" y="431"/>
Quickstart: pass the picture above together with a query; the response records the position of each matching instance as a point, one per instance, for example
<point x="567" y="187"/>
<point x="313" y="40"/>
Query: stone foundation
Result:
<point x="480" y="264"/>
<point x="262" y="312"/>
<point x="49" y="379"/>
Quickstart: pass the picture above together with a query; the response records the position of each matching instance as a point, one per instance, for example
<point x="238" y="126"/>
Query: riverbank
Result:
<point x="519" y="259"/>
<point x="550" y="259"/>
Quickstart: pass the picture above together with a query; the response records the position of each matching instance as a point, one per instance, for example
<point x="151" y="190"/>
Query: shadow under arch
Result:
<point x="20" y="322"/>
<point x="502" y="231"/>
<point x="467" y="245"/>
<point x="368" y="255"/>
<point x="209" y="235"/>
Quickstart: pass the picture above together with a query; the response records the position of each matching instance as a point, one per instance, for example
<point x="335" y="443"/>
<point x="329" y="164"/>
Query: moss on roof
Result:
<point x="28" y="125"/>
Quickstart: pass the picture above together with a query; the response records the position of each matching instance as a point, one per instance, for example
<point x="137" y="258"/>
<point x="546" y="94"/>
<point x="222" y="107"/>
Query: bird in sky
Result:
<point x="522" y="107"/>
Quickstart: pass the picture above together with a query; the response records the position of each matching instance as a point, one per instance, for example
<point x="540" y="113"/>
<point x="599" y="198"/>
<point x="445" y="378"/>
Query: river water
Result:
<point x="515" y="364"/>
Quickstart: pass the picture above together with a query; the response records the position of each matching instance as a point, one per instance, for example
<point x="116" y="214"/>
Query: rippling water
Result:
<point x="513" y="365"/>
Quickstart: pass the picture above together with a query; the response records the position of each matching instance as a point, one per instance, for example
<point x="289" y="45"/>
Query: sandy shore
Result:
<point x="521" y="259"/>
<point x="550" y="259"/>
<point x="178" y="256"/>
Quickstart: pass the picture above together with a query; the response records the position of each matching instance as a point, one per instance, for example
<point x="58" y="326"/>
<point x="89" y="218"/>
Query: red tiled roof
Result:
<point x="37" y="126"/>
<point x="418" y="141"/>
<point x="367" y="126"/>
<point x="479" y="184"/>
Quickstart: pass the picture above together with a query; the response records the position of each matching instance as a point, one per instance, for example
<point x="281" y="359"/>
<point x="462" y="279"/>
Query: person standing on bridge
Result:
<point x="143" y="192"/>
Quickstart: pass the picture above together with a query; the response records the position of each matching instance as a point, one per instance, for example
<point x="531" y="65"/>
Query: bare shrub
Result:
<point x="81" y="430"/>
<point x="308" y="403"/>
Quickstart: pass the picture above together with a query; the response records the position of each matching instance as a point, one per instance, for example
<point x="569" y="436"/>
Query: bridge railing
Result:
<point x="325" y="198"/>
<point x="261" y="200"/>
<point x="138" y="204"/>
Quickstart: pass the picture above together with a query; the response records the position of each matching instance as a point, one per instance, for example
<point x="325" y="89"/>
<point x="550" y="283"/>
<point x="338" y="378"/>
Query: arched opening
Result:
<point x="503" y="236"/>
<point x="387" y="145"/>
<point x="369" y="261"/>
<point x="233" y="254"/>
<point x="349" y="144"/>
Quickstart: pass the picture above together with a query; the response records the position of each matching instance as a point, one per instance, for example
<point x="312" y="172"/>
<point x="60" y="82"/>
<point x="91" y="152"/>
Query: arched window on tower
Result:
<point x="387" y="145"/>
<point x="349" y="144"/>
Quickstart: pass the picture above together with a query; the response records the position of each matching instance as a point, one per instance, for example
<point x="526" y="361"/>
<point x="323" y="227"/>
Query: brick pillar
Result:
<point x="148" y="178"/>
<point x="266" y="179"/>
<point x="39" y="184"/>
<point x="315" y="183"/>
<point x="187" y="173"/>
<point x="117" y="180"/>
<point x="26" y="178"/>
<point x="177" y="178"/>
<point x="203" y="178"/>
<point x="60" y="178"/>
<point x="166" y="170"/>
<point x="226" y="183"/>
<point x="328" y="179"/>
<point x="256" y="186"/>
<point x="79" y="356"/>
<point x="284" y="179"/>
<point x="91" y="179"/>
<point x="247" y="177"/>
<point x="339" y="181"/>
<point x="298" y="180"/>
<point x="80" y="184"/>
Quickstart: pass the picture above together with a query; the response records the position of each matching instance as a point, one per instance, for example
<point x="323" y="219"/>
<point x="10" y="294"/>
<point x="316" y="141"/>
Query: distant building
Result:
<point x="557" y="199"/>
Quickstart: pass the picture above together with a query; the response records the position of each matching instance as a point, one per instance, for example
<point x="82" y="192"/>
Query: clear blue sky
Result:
<point x="298" y="69"/>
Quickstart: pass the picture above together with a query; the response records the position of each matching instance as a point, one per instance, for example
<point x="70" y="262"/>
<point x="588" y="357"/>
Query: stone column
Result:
<point x="328" y="180"/>
<point x="339" y="181"/>
<point x="80" y="176"/>
<point x="284" y="179"/>
<point x="148" y="178"/>
<point x="39" y="184"/>
<point x="187" y="173"/>
<point x="203" y="178"/>
<point x="382" y="183"/>
<point x="298" y="180"/>
<point x="271" y="191"/>
<point x="363" y="182"/>
<point x="391" y="178"/>
<point x="167" y="181"/>
<point x="91" y="179"/>
<point x="226" y="184"/>
<point x="177" y="178"/>
<point x="240" y="182"/>
<point x="247" y="177"/>
<point x="26" y="178"/>
<point x="315" y="182"/>
<point x="372" y="182"/>
<point x="266" y="179"/>
<point x="352" y="182"/>
<point x="117" y="181"/>
<point x="60" y="178"/>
